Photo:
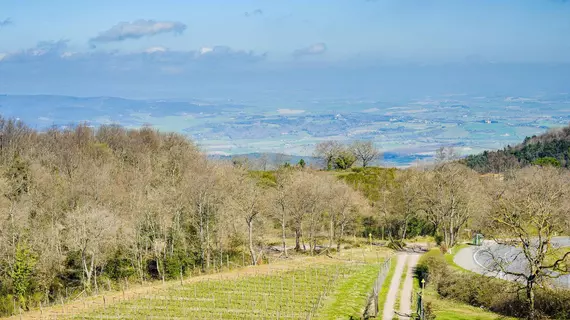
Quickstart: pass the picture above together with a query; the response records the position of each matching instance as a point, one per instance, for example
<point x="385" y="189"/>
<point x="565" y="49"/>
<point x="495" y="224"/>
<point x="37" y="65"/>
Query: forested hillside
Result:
<point x="551" y="148"/>
<point x="83" y="209"/>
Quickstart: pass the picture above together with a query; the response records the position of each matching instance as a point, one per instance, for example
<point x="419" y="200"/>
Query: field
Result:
<point x="322" y="287"/>
<point x="293" y="294"/>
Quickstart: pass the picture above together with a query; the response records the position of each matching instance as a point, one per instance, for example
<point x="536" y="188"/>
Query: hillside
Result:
<point x="550" y="148"/>
<point x="91" y="209"/>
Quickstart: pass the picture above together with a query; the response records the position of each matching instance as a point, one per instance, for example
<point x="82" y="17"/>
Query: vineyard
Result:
<point x="297" y="294"/>
<point x="308" y="288"/>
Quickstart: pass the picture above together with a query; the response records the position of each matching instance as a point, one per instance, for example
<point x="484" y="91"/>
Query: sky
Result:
<point x="191" y="48"/>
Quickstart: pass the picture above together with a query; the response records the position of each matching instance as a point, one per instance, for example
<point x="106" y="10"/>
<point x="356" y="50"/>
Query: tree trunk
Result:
<point x="12" y="226"/>
<point x="297" y="239"/>
<point x="311" y="235"/>
<point x="530" y="300"/>
<point x="341" y="235"/>
<point x="207" y="245"/>
<point x="331" y="234"/>
<point x="201" y="232"/>
<point x="88" y="270"/>
<point x="283" y="234"/>
<point x="250" y="235"/>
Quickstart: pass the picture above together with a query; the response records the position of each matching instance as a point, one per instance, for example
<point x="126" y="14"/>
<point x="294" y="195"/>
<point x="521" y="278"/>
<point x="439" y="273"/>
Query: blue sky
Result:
<point x="81" y="45"/>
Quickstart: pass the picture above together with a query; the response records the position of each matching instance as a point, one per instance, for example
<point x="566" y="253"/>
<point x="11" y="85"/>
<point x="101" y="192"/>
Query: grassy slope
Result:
<point x="451" y="310"/>
<point x="449" y="257"/>
<point x="349" y="299"/>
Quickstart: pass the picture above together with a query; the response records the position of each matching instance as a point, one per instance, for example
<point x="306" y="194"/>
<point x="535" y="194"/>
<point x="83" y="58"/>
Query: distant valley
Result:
<point x="406" y="131"/>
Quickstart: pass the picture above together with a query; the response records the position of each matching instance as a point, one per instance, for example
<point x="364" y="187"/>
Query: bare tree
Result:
<point x="203" y="194"/>
<point x="344" y="205"/>
<point x="248" y="200"/>
<point x="405" y="199"/>
<point x="263" y="161"/>
<point x="327" y="151"/>
<point x="365" y="152"/>
<point x="282" y="200"/>
<point x="90" y="231"/>
<point x="532" y="208"/>
<point x="304" y="202"/>
<point x="450" y="196"/>
<point x="445" y="154"/>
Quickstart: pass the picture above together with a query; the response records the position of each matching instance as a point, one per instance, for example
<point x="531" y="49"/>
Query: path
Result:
<point x="388" y="311"/>
<point x="405" y="295"/>
<point x="408" y="288"/>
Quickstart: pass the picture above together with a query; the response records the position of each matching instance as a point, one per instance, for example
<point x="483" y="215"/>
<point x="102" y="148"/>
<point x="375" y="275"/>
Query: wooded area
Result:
<point x="551" y="148"/>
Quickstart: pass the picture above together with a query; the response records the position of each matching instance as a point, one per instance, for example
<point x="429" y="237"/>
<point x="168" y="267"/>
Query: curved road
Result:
<point x="480" y="260"/>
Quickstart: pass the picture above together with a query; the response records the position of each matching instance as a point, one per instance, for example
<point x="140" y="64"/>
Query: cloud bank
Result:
<point x="51" y="54"/>
<point x="314" y="49"/>
<point x="138" y="29"/>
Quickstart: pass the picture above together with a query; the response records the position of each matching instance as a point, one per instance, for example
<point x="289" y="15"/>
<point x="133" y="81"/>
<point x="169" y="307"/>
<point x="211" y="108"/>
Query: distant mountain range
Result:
<point x="48" y="110"/>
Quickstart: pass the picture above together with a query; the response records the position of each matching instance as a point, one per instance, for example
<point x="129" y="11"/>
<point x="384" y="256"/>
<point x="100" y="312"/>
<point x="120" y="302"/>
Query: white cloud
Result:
<point x="68" y="54"/>
<point x="205" y="50"/>
<point x="155" y="49"/>
<point x="138" y="29"/>
<point x="314" y="49"/>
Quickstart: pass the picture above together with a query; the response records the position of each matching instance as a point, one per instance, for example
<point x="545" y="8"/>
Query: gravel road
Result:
<point x="406" y="293"/>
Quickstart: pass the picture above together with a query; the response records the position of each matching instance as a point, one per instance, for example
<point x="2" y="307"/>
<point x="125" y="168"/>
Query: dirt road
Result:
<point x="405" y="293"/>
<point x="408" y="288"/>
<point x="388" y="311"/>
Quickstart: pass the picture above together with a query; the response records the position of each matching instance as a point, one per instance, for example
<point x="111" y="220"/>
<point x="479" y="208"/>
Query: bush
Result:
<point x="547" y="161"/>
<point x="431" y="266"/>
<point x="7" y="305"/>
<point x="119" y="267"/>
<point x="438" y="239"/>
<point x="555" y="303"/>
<point x="428" y="311"/>
<point x="396" y="244"/>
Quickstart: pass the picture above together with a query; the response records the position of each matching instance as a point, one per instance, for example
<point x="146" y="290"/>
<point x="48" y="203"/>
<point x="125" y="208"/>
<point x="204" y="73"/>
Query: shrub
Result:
<point x="396" y="244"/>
<point x="438" y="239"/>
<point x="555" y="303"/>
<point x="7" y="305"/>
